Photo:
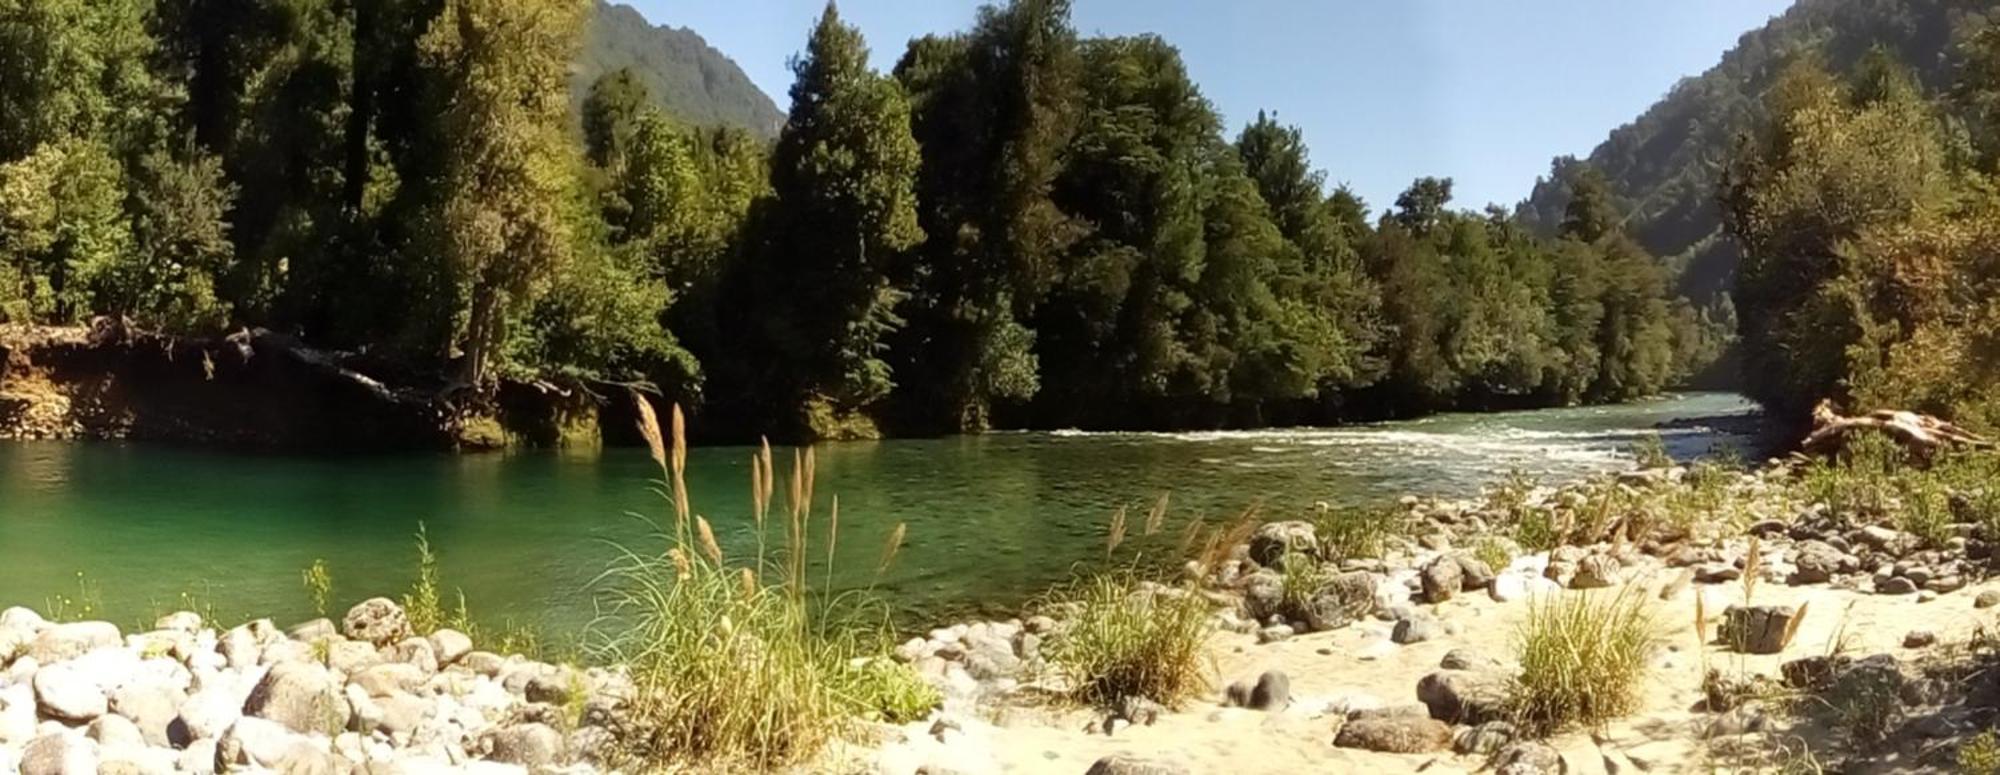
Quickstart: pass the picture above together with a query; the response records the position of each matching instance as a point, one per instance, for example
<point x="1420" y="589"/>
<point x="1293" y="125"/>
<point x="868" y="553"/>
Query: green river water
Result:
<point x="992" y="519"/>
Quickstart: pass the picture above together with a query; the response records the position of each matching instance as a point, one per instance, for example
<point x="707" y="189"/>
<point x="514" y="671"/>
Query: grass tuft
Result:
<point x="1583" y="659"/>
<point x="319" y="586"/>
<point x="1124" y="644"/>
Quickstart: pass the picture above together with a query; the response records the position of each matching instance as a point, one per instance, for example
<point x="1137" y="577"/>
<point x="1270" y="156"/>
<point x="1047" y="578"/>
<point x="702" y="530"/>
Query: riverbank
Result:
<point x="1800" y="615"/>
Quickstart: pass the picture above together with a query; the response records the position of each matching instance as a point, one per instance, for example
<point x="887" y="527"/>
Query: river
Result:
<point x="132" y="529"/>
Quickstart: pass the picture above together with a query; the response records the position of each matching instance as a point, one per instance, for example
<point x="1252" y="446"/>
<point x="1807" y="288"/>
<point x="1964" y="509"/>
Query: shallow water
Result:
<point x="133" y="529"/>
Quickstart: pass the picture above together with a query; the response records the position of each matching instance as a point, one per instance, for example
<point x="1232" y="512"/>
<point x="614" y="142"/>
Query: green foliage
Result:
<point x="1583" y="659"/>
<point x="1122" y="643"/>
<point x="1496" y="551"/>
<point x="1346" y="533"/>
<point x="1980" y="755"/>
<point x="1651" y="452"/>
<point x="318" y="582"/>
<point x="424" y="603"/>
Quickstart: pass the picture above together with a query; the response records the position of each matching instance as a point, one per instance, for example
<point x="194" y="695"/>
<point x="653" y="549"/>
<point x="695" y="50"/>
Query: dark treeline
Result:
<point x="1017" y="227"/>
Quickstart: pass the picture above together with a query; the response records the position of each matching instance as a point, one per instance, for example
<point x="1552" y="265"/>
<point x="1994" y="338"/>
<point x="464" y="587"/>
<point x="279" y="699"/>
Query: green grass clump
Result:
<point x="1123" y="644"/>
<point x="1496" y="552"/>
<point x="1356" y="532"/>
<point x="1583" y="659"/>
<point x="734" y="670"/>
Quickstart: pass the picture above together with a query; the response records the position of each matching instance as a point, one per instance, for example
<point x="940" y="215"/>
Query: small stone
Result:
<point x="1917" y="639"/>
<point x="179" y="621"/>
<point x="1442" y="579"/>
<point x="113" y="731"/>
<point x="1275" y="633"/>
<point x="1596" y="572"/>
<point x="1395" y="735"/>
<point x="1466" y="659"/>
<point x="315" y="630"/>
<point x="1762" y="629"/>
<point x="1717" y="573"/>
<point x="1894" y="585"/>
<point x="1945" y="584"/>
<point x="1507" y="587"/>
<point x="450" y="646"/>
<point x="59" y="753"/>
<point x="1413" y="630"/>
<point x="1484" y="739"/>
<point x="1987" y="599"/>
<point x="1272" y="693"/>
<point x="1528" y="757"/>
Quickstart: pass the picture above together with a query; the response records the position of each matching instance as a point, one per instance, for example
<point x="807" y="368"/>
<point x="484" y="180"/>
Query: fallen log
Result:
<point x="1921" y="436"/>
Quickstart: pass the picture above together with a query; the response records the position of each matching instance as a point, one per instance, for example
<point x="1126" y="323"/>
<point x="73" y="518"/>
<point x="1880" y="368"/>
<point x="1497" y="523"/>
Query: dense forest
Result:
<point x="1018" y="226"/>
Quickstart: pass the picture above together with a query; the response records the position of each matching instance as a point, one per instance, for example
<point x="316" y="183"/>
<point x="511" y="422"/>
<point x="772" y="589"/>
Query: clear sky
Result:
<point x="1483" y="91"/>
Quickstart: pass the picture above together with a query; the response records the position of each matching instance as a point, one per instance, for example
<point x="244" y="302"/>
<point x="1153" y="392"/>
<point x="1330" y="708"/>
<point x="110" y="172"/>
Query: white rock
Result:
<point x="1508" y="586"/>
<point x="209" y="713"/>
<point x="184" y="621"/>
<point x="198" y="757"/>
<point x="74" y="639"/>
<point x="450" y="646"/>
<point x="64" y="692"/>
<point x="257" y="741"/>
<point x="114" y="730"/>
<point x="151" y="707"/>
<point x="59" y="753"/>
<point x="135" y="758"/>
<point x="17" y="715"/>
<point x="24" y="618"/>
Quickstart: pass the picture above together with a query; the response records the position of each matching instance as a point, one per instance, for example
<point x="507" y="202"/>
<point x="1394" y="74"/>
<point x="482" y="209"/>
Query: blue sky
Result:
<point x="1483" y="91"/>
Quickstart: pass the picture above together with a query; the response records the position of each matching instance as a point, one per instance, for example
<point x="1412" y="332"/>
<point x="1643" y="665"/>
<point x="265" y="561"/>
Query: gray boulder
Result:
<point x="1465" y="696"/>
<point x="1274" y="539"/>
<point x="302" y="696"/>
<point x="1759" y="629"/>
<point x="378" y="620"/>
<point x="534" y="746"/>
<point x="1397" y="734"/>
<point x="1442" y="578"/>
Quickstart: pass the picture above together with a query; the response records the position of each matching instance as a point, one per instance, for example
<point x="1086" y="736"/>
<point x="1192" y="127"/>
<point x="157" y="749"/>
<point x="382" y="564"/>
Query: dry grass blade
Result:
<point x="1753" y="567"/>
<point x="1792" y="627"/>
<point x="1158" y="515"/>
<point x="1117" y="535"/>
<point x="891" y="547"/>
<point x="649" y="427"/>
<point x="708" y="544"/>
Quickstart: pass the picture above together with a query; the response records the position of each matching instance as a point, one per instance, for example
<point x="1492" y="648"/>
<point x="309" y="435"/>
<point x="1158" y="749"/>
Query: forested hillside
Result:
<point x="1018" y="226"/>
<point x="683" y="74"/>
<point x="1664" y="168"/>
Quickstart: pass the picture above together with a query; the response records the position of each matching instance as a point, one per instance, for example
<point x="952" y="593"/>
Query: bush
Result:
<point x="1583" y="659"/>
<point x="1124" y="644"/>
<point x="1651" y="452"/>
<point x="734" y="670"/>
<point x="1350" y="533"/>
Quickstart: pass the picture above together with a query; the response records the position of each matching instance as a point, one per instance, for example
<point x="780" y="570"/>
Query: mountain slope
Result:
<point x="1665" y="166"/>
<point x="690" y="79"/>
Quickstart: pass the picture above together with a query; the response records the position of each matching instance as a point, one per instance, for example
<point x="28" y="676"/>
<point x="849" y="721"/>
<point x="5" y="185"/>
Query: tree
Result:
<point x="498" y="70"/>
<point x="73" y="69"/>
<point x="611" y="114"/>
<point x="843" y="212"/>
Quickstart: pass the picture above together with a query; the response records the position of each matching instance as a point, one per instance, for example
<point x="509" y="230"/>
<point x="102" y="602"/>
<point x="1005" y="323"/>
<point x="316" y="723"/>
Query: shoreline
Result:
<point x="1431" y="608"/>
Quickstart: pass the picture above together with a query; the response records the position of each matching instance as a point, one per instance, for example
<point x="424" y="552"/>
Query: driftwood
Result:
<point x="1920" y="435"/>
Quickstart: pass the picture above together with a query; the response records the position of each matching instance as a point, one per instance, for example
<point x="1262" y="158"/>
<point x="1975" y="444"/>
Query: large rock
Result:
<point x="302" y="696"/>
<point x="1465" y="696"/>
<point x="1272" y="692"/>
<point x="114" y="731"/>
<point x="534" y="746"/>
<point x="68" y="641"/>
<point x="1762" y="629"/>
<point x="17" y="715"/>
<point x="1442" y="578"/>
<point x="65" y="693"/>
<point x="1476" y="573"/>
<point x="1396" y="734"/>
<point x="1128" y="764"/>
<point x="59" y="753"/>
<point x="254" y="741"/>
<point x="378" y="620"/>
<point x="1341" y="600"/>
<point x="1816" y="562"/>
<point x="1272" y="540"/>
<point x="206" y="714"/>
<point x="151" y="706"/>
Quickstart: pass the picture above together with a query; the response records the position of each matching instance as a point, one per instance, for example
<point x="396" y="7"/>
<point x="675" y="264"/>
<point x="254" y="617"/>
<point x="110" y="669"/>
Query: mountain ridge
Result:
<point x="683" y="74"/>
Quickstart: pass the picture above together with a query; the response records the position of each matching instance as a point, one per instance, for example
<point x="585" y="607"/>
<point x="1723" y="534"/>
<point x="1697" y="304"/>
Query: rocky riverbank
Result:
<point x="1806" y="618"/>
<point x="1794" y="633"/>
<point x="367" y="695"/>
